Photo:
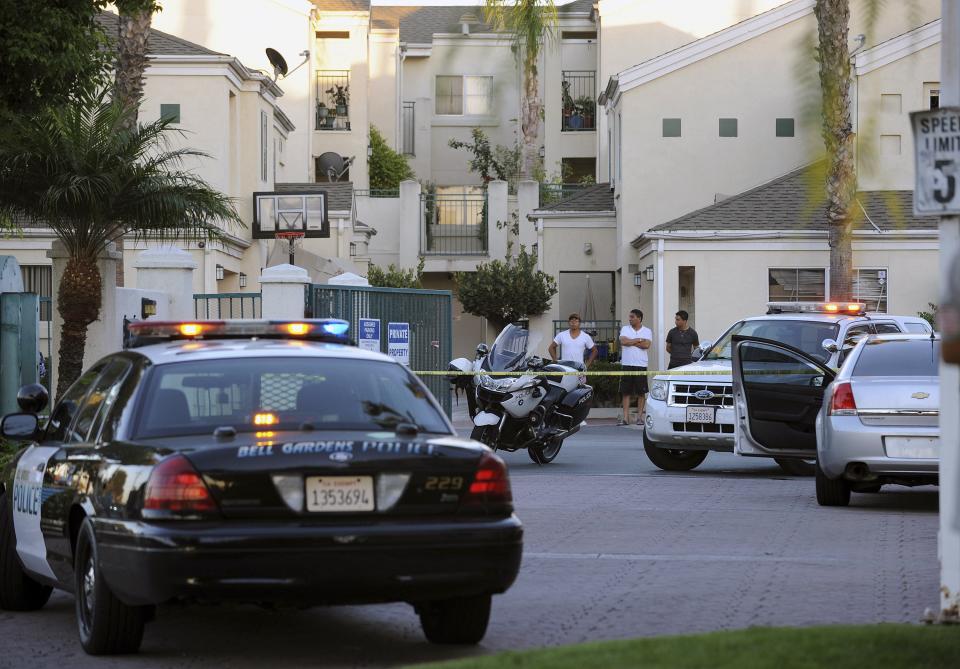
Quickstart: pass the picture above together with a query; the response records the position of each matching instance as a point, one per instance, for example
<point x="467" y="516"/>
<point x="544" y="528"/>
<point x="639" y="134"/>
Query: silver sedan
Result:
<point x="879" y="422"/>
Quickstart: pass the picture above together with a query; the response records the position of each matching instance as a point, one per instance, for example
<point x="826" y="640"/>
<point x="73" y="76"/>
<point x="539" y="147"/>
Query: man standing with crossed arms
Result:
<point x="635" y="339"/>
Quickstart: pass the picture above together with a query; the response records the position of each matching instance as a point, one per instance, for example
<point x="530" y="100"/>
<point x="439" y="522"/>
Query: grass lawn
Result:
<point x="837" y="647"/>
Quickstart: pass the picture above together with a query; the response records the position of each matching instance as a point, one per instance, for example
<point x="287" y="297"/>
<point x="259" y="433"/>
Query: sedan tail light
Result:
<point x="175" y="489"/>
<point x="490" y="485"/>
<point x="843" y="403"/>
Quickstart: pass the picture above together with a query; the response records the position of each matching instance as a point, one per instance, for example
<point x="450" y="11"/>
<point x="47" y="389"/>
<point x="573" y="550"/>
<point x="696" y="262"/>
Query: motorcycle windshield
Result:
<point x="511" y="348"/>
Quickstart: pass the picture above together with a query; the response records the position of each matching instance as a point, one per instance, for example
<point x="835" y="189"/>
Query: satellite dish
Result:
<point x="278" y="62"/>
<point x="333" y="165"/>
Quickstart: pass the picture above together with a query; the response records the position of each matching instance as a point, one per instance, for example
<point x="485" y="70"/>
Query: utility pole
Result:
<point x="949" y="373"/>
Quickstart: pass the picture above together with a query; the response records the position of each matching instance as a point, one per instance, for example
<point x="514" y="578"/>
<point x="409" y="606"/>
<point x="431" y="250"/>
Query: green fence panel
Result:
<point x="19" y="330"/>
<point x="429" y="313"/>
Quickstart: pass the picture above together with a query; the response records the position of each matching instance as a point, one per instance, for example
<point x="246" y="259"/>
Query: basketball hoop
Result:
<point x="293" y="238"/>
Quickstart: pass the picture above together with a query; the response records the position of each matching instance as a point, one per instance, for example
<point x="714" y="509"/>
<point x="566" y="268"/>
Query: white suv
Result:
<point x="690" y="410"/>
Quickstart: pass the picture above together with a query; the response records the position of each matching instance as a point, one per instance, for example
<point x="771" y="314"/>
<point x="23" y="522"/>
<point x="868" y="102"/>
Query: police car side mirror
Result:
<point x="32" y="398"/>
<point x="20" y="426"/>
<point x="829" y="345"/>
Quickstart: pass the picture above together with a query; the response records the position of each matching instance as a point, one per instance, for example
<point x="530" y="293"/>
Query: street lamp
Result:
<point x="243" y="280"/>
<point x="638" y="280"/>
<point x="219" y="272"/>
<point x="650" y="273"/>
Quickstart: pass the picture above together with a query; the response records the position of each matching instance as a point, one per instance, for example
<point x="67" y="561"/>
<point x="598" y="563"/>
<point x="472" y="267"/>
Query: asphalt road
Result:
<point x="614" y="548"/>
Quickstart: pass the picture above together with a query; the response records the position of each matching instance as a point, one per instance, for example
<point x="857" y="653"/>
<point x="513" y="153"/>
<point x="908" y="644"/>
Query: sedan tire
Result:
<point x="18" y="592"/>
<point x="462" y="620"/>
<point x="672" y="459"/>
<point x="831" y="492"/>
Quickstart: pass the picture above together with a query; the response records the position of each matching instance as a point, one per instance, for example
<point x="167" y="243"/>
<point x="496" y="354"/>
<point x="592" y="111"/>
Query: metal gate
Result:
<point x="19" y="330"/>
<point x="429" y="313"/>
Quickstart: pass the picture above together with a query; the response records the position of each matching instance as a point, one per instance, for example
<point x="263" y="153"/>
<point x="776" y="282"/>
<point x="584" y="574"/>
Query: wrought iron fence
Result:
<point x="605" y="334"/>
<point x="579" y="100"/>
<point x="377" y="192"/>
<point x="454" y="224"/>
<point x="553" y="193"/>
<point x="409" y="128"/>
<point x="333" y="100"/>
<point x="429" y="314"/>
<point x="226" y="305"/>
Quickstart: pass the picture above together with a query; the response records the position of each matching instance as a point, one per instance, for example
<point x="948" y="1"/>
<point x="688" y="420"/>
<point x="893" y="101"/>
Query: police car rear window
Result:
<point x="899" y="357"/>
<point x="249" y="394"/>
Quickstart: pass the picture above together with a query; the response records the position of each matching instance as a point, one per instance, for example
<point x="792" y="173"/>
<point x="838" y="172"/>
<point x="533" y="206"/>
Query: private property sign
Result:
<point x="398" y="342"/>
<point x="936" y="142"/>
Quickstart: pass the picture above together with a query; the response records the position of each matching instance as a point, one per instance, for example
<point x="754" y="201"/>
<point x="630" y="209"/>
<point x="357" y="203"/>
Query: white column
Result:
<point x="498" y="219"/>
<point x="411" y="222"/>
<point x="168" y="269"/>
<point x="105" y="335"/>
<point x="282" y="291"/>
<point x="949" y="543"/>
<point x="528" y="199"/>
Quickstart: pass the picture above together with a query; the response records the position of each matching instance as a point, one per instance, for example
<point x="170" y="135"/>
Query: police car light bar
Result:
<point x="846" y="308"/>
<point x="331" y="330"/>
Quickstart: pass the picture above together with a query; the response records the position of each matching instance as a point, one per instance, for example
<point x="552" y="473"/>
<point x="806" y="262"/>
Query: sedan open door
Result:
<point x="778" y="391"/>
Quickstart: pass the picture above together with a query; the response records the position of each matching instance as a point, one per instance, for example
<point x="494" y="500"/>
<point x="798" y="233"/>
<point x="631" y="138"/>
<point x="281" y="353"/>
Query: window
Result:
<point x="785" y="127"/>
<point x="931" y="93"/>
<point x="464" y="95"/>
<point x="728" y="127"/>
<point x="797" y="285"/>
<point x="39" y="279"/>
<point x="263" y="146"/>
<point x="409" y="128"/>
<point x="333" y="100"/>
<point x="578" y="100"/>
<point x="870" y="287"/>
<point x="806" y="336"/>
<point x="67" y="408"/>
<point x="98" y="402"/>
<point x="899" y="357"/>
<point x="170" y="112"/>
<point x="578" y="170"/>
<point x="620" y="149"/>
<point x="671" y="127"/>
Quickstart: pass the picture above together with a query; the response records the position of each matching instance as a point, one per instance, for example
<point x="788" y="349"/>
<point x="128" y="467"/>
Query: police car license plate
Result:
<point x="701" y="414"/>
<point x="912" y="447"/>
<point x="339" y="493"/>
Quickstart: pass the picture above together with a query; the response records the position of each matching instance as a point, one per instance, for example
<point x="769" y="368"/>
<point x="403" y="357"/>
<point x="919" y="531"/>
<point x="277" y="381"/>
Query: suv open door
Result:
<point x="778" y="391"/>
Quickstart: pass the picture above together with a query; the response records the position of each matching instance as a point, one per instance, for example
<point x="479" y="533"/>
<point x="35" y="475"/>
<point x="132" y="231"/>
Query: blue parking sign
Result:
<point x="369" y="339"/>
<point x="398" y="342"/>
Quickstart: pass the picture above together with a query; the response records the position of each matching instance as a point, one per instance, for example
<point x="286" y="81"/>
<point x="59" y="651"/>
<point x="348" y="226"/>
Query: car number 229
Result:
<point x="443" y="483"/>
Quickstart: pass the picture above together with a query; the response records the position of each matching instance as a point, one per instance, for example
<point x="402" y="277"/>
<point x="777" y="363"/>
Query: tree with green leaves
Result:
<point x="395" y="277"/>
<point x="50" y="51"/>
<point x="503" y="291"/>
<point x="80" y="170"/>
<point x="491" y="162"/>
<point x="133" y="34"/>
<point x="531" y="24"/>
<point x="387" y="167"/>
<point x="833" y="55"/>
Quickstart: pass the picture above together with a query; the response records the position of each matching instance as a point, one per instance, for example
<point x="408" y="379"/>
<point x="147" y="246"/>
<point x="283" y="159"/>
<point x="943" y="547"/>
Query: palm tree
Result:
<point x="833" y="54"/>
<point x="80" y="170"/>
<point x="531" y="23"/>
<point x="132" y="34"/>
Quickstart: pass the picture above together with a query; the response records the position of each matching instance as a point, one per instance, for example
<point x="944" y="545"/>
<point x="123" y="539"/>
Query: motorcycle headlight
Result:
<point x="658" y="390"/>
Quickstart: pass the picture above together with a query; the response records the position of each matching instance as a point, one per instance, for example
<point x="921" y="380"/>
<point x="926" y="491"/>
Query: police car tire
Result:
<point x="796" y="467"/>
<point x="113" y="627"/>
<point x="672" y="460"/>
<point x="18" y="592"/>
<point x="831" y="492"/>
<point x="462" y="620"/>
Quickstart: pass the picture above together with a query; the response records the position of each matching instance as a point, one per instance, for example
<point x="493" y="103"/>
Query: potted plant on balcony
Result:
<point x="322" y="114"/>
<point x="587" y="107"/>
<point x="338" y="96"/>
<point x="567" y="104"/>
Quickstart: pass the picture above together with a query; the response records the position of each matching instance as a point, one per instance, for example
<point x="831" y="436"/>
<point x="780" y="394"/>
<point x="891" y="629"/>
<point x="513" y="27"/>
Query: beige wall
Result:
<point x="244" y="29"/>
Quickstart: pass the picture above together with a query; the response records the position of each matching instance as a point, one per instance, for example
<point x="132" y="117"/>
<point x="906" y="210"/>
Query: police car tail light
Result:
<point x="490" y="483"/>
<point x="843" y="403"/>
<point x="175" y="488"/>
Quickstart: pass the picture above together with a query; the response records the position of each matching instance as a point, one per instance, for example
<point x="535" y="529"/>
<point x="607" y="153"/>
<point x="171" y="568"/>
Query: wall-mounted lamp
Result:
<point x="650" y="273"/>
<point x="369" y="151"/>
<point x="243" y="280"/>
<point x="638" y="280"/>
<point x="543" y="152"/>
<point x="353" y="249"/>
<point x="219" y="272"/>
<point x="587" y="248"/>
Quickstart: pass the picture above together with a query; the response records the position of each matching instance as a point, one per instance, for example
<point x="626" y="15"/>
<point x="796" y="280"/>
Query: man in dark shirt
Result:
<point x="681" y="341"/>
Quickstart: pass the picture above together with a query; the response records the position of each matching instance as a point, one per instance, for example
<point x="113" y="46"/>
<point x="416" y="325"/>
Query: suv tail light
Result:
<point x="490" y="485"/>
<point x="843" y="403"/>
<point x="175" y="489"/>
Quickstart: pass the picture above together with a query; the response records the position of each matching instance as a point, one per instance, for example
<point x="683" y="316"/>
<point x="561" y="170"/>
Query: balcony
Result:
<point x="333" y="100"/>
<point x="579" y="100"/>
<point x="454" y="224"/>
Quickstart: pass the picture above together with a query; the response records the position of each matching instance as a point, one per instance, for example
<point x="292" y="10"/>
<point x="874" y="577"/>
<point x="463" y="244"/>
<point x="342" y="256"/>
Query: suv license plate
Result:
<point x="339" y="493"/>
<point x="701" y="414"/>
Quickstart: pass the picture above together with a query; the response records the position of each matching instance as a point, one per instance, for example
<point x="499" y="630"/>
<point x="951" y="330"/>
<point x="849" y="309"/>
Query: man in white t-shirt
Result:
<point x="573" y="343"/>
<point x="635" y="339"/>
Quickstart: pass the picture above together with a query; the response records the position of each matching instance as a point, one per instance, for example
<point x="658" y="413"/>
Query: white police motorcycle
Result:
<point x="529" y="410"/>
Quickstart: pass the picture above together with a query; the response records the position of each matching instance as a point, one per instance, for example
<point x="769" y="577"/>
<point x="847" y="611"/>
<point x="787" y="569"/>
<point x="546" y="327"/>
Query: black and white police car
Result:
<point x="253" y="461"/>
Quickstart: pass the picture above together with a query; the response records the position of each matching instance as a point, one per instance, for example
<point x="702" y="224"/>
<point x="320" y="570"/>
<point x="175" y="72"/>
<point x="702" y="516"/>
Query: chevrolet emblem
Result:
<point x="920" y="396"/>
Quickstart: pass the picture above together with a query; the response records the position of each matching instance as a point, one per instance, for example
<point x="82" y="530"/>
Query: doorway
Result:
<point x="686" y="280"/>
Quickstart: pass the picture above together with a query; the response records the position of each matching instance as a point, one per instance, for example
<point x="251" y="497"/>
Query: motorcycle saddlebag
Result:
<point x="576" y="405"/>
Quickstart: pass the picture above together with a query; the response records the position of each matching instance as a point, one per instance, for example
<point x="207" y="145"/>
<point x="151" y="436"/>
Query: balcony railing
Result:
<point x="454" y="224"/>
<point x="553" y="193"/>
<point x="579" y="100"/>
<point x="409" y="128"/>
<point x="333" y="100"/>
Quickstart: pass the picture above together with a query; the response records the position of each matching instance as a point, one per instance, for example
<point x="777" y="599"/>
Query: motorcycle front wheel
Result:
<point x="546" y="453"/>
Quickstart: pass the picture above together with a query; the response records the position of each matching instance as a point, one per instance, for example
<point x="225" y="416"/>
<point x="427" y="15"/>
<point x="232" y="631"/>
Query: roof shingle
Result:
<point x="598" y="198"/>
<point x="159" y="43"/>
<point x="342" y="5"/>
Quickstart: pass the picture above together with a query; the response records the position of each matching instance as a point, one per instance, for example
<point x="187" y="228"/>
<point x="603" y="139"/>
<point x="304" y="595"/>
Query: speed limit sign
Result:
<point x="936" y="142"/>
